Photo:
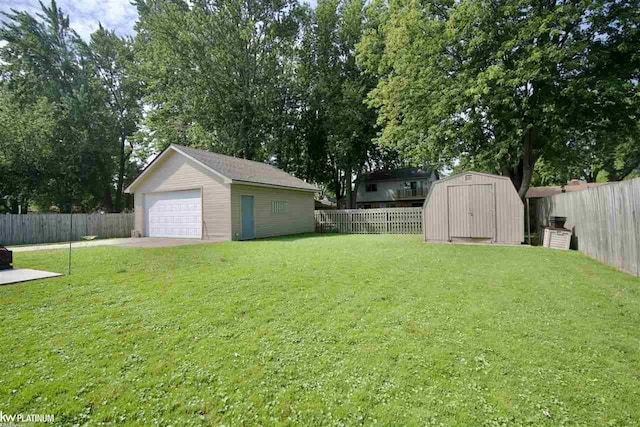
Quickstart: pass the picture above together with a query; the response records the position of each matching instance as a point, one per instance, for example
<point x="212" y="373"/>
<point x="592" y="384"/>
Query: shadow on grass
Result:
<point x="298" y="237"/>
<point x="306" y="236"/>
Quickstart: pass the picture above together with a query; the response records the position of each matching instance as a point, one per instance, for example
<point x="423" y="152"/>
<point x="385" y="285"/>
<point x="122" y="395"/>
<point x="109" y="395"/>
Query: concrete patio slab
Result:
<point x="17" y="275"/>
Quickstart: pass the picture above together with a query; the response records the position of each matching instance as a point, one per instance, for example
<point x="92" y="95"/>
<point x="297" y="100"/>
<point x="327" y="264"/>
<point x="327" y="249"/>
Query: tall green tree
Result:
<point x="88" y="98"/>
<point x="25" y="147"/>
<point x="41" y="63"/>
<point x="612" y="153"/>
<point x="115" y="67"/>
<point x="212" y="70"/>
<point x="499" y="85"/>
<point x="336" y="124"/>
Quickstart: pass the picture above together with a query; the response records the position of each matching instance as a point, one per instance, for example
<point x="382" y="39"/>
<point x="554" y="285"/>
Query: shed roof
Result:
<point x="450" y="177"/>
<point x="234" y="170"/>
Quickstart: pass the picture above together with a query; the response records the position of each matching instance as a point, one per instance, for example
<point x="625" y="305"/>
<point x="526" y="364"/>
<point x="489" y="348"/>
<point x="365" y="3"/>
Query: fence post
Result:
<point x="351" y="222"/>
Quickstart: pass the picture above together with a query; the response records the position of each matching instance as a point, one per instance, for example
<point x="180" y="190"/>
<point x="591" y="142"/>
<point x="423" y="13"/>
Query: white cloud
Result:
<point x="84" y="15"/>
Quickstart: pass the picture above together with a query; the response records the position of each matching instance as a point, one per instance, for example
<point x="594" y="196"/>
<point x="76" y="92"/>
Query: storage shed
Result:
<point x="191" y="193"/>
<point x="473" y="207"/>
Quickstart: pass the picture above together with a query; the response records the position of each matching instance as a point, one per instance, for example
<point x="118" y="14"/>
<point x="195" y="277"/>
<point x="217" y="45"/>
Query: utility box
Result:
<point x="557" y="238"/>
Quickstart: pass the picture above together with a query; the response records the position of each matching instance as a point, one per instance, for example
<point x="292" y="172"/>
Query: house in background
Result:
<point x="397" y="188"/>
<point x="325" y="203"/>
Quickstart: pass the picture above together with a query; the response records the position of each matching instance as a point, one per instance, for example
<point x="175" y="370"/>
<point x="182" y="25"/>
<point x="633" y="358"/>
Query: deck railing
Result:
<point x="411" y="193"/>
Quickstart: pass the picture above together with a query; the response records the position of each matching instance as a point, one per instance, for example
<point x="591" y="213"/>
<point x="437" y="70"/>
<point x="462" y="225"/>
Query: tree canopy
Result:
<point x="541" y="92"/>
<point x="59" y="108"/>
<point x="498" y="86"/>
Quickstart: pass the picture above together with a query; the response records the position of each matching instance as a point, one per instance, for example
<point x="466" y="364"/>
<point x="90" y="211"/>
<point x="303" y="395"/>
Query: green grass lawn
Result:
<point x="323" y="330"/>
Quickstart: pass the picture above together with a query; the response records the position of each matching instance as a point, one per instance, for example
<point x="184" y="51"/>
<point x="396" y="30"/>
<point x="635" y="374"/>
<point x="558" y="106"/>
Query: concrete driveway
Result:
<point x="140" y="242"/>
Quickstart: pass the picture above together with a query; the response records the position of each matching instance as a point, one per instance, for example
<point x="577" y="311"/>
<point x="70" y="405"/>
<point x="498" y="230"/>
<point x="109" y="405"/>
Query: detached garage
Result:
<point x="473" y="207"/>
<point x="190" y="193"/>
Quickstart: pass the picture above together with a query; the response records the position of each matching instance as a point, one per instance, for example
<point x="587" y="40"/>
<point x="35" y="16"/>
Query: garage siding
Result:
<point x="176" y="172"/>
<point x="138" y="205"/>
<point x="298" y="219"/>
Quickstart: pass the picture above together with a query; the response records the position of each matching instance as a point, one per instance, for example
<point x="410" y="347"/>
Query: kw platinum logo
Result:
<point x="13" y="419"/>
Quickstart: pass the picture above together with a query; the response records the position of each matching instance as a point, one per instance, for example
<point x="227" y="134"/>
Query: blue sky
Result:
<point x="84" y="15"/>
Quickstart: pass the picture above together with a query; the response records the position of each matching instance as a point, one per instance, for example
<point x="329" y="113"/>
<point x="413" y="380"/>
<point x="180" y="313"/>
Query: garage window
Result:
<point x="279" y="207"/>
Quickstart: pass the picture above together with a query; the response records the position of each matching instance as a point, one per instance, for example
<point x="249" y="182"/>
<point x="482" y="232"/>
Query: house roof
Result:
<point x="234" y="170"/>
<point x="395" y="174"/>
<point x="536" y="192"/>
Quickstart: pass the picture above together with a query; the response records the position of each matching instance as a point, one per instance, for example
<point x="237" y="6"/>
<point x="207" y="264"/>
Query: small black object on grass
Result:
<point x="6" y="258"/>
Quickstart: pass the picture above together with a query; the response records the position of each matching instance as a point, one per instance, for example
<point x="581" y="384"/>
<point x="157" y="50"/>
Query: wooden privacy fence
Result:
<point x="50" y="228"/>
<point x="605" y="221"/>
<point x="370" y="221"/>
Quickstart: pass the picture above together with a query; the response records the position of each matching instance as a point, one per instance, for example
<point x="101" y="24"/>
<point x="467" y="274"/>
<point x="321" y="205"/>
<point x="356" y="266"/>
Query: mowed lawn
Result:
<point x="323" y="330"/>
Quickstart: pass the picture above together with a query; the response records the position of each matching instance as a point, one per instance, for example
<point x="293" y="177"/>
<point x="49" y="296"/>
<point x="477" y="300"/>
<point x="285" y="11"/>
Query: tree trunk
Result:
<point x="619" y="175"/>
<point x="336" y="180"/>
<point x="120" y="184"/>
<point x="528" y="163"/>
<point x="13" y="205"/>
<point x="355" y="191"/>
<point x="107" y="200"/>
<point x="349" y="189"/>
<point x="591" y="176"/>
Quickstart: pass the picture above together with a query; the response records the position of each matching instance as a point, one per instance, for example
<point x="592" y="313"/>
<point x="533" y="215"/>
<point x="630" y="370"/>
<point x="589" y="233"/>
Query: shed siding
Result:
<point x="298" y="219"/>
<point x="509" y="208"/>
<point x="176" y="172"/>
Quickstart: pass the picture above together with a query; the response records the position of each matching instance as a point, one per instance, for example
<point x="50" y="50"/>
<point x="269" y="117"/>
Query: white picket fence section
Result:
<point x="51" y="228"/>
<point x="370" y="221"/>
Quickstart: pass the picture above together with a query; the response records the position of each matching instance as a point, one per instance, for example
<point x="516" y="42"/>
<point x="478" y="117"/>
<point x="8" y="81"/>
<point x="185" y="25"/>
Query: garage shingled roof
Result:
<point x="243" y="170"/>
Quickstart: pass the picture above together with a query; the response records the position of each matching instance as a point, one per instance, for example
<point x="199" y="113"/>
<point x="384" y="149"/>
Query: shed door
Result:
<point x="458" y="205"/>
<point x="471" y="211"/>
<point x="482" y="211"/>
<point x="173" y="214"/>
<point x="248" y="221"/>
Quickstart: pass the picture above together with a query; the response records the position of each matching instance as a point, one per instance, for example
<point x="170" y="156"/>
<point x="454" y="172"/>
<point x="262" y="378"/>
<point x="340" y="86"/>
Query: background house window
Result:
<point x="279" y="207"/>
<point x="414" y="188"/>
<point x="370" y="188"/>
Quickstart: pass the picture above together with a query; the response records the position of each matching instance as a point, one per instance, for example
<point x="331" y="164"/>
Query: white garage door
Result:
<point x="173" y="214"/>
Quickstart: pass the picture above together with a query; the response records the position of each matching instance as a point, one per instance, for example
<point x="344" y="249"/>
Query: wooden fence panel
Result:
<point x="605" y="221"/>
<point x="51" y="228"/>
<point x="110" y="225"/>
<point x="370" y="221"/>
